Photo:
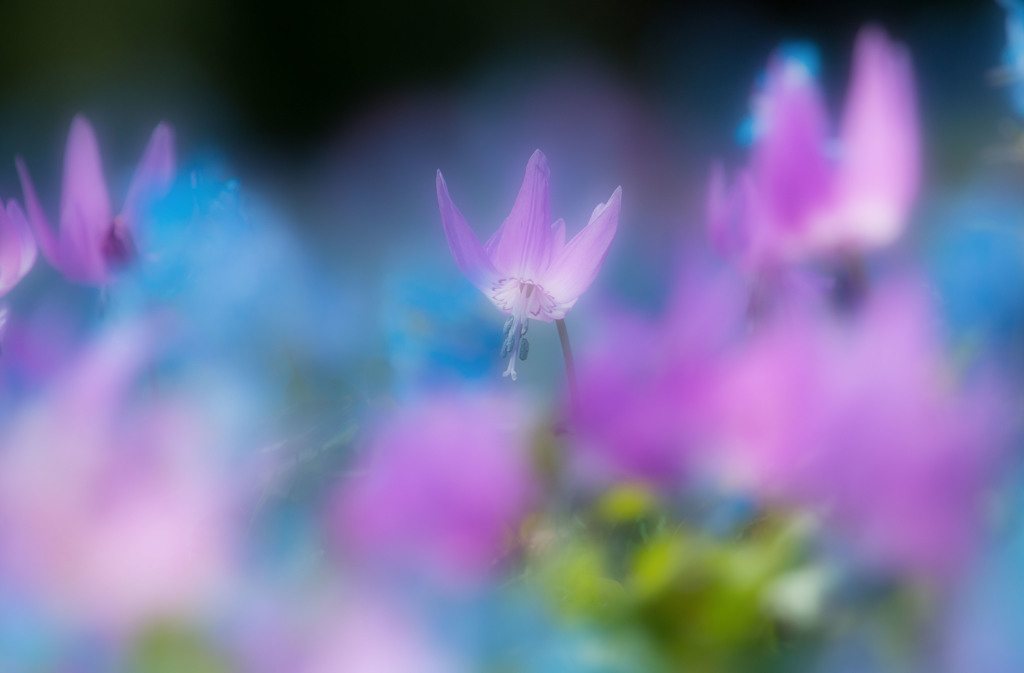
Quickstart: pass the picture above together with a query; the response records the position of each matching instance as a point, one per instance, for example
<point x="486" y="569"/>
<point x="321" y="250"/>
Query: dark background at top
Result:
<point x="287" y="73"/>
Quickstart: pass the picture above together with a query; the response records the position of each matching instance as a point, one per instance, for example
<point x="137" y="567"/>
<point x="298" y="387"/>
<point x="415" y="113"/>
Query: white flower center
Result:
<point x="521" y="300"/>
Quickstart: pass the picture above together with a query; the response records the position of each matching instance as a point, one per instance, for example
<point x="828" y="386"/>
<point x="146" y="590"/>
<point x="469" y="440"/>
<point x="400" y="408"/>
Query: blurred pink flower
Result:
<point x="111" y="513"/>
<point x="370" y="636"/>
<point x="800" y="196"/>
<point x="862" y="418"/>
<point x="17" y="247"/>
<point x="17" y="253"/>
<point x="647" y="389"/>
<point x="526" y="268"/>
<point x="92" y="243"/>
<point x="323" y="627"/>
<point x="442" y="487"/>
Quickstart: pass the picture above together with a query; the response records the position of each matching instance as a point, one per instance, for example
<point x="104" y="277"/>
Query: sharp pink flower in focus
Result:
<point x="805" y="193"/>
<point x="111" y="514"/>
<point x="443" y="485"/>
<point x="92" y="243"/>
<point x="526" y="268"/>
<point x="862" y="418"/>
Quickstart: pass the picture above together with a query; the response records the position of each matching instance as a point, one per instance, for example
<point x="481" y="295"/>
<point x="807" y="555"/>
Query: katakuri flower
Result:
<point x="17" y="252"/>
<point x="113" y="514"/>
<point x="804" y="193"/>
<point x="440" y="488"/>
<point x="526" y="268"/>
<point x="862" y="420"/>
<point x="92" y="243"/>
<point x="17" y="247"/>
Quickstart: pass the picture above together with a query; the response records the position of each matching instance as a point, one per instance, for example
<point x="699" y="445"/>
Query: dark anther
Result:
<point x="524" y="349"/>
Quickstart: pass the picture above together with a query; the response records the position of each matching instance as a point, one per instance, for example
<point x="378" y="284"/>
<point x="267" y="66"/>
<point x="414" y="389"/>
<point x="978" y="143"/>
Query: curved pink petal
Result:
<point x="522" y="247"/>
<point x="37" y="218"/>
<point x="154" y="176"/>
<point x="17" y="247"/>
<point x="789" y="161"/>
<point x="469" y="255"/>
<point x="10" y="254"/>
<point x="880" y="145"/>
<point x="722" y="212"/>
<point x="576" y="265"/>
<point x="85" y="216"/>
<point x="557" y="236"/>
<point x="29" y="249"/>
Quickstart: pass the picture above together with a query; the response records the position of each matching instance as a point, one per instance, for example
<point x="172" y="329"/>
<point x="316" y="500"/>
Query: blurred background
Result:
<point x="335" y="110"/>
<point x="341" y="112"/>
<point x="302" y="251"/>
<point x="267" y="79"/>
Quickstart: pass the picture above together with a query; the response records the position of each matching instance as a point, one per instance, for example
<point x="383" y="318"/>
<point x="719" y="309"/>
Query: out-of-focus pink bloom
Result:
<point x="804" y="195"/>
<point x="369" y="636"/>
<point x="443" y="486"/>
<point x="647" y="390"/>
<point x="93" y="243"/>
<point x="17" y="253"/>
<point x="327" y="628"/>
<point x="110" y="513"/>
<point x="17" y="247"/>
<point x="862" y="418"/>
<point x="526" y="268"/>
<point x="879" y="146"/>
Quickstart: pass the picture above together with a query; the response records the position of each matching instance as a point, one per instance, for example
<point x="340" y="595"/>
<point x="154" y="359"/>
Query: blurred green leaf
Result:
<point x="626" y="503"/>
<point x="172" y="648"/>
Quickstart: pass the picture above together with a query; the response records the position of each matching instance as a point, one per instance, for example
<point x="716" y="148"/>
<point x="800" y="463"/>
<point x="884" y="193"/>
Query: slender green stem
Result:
<point x="570" y="364"/>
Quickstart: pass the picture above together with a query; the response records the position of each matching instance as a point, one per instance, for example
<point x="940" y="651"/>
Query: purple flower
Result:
<point x="526" y="268"/>
<point x="861" y="419"/>
<point x="93" y="243"/>
<point x="17" y="247"/>
<point x="370" y="635"/>
<point x="442" y="486"/>
<point x="647" y="390"/>
<point x="17" y="253"/>
<point x="112" y="514"/>
<point x="804" y="194"/>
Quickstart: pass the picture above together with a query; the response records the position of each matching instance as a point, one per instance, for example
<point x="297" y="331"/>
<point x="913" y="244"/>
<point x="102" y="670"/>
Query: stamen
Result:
<point x="511" y="370"/>
<point x="507" y="344"/>
<point x="524" y="350"/>
<point x="513" y="346"/>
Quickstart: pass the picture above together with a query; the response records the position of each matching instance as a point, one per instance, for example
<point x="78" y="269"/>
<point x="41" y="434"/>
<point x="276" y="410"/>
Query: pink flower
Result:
<point x="17" y="247"/>
<point x="371" y="636"/>
<point x="802" y="195"/>
<point x="111" y="513"/>
<point x="325" y="627"/>
<point x="861" y="419"/>
<point x="648" y="389"/>
<point x="93" y="243"/>
<point x="526" y="268"/>
<point x="17" y="253"/>
<point x="442" y="487"/>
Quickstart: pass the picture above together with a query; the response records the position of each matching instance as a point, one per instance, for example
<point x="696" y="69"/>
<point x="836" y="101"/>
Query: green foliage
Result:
<point x="170" y="648"/>
<point x="698" y="602"/>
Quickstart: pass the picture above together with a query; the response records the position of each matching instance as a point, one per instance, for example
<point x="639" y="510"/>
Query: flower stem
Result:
<point x="570" y="365"/>
<point x="852" y="285"/>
